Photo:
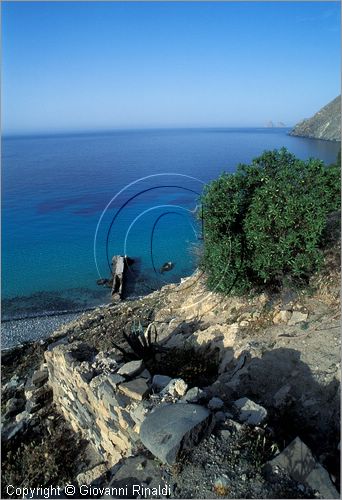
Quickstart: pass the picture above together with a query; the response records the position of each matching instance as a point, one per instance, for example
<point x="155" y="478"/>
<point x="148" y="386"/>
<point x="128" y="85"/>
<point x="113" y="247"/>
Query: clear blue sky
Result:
<point x="93" y="65"/>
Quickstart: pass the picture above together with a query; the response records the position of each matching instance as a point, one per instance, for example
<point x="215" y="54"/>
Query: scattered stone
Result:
<point x="114" y="379"/>
<point x="249" y="412"/>
<point x="281" y="317"/>
<point x="62" y="341"/>
<point x="40" y="377"/>
<point x="23" y="416"/>
<point x="232" y="425"/>
<point x="176" y="387"/>
<point x="135" y="389"/>
<point x="11" y="385"/>
<point x="281" y="397"/>
<point x="138" y="472"/>
<point x="29" y="389"/>
<point x="138" y="413"/>
<point x="297" y="317"/>
<point x="298" y="461"/>
<point x="221" y="487"/>
<point x="173" y="427"/>
<point x="10" y="431"/>
<point x="42" y="395"/>
<point x="14" y="406"/>
<point x="247" y="316"/>
<point x="146" y="375"/>
<point x="159" y="382"/>
<point x="194" y="395"/>
<point x="226" y="360"/>
<point x="132" y="368"/>
<point x="225" y="433"/>
<point x="85" y="371"/>
<point x="215" y="404"/>
<point x="91" y="476"/>
<point x="220" y="416"/>
<point x="241" y="362"/>
<point x="244" y="323"/>
<point x="32" y="407"/>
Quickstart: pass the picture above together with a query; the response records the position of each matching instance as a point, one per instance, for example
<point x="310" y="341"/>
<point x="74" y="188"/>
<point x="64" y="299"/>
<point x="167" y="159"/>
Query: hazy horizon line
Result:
<point x="136" y="129"/>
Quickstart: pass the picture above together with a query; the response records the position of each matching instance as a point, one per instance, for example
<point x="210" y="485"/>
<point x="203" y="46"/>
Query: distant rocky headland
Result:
<point x="325" y="124"/>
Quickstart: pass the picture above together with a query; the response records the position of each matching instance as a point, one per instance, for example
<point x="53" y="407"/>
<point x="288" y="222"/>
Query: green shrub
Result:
<point x="263" y="224"/>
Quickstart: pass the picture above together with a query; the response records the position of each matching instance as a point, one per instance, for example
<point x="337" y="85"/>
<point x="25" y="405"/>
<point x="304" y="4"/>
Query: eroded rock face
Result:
<point x="173" y="427"/>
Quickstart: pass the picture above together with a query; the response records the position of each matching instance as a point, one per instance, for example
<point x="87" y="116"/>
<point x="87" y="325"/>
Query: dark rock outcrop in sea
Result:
<point x="325" y="124"/>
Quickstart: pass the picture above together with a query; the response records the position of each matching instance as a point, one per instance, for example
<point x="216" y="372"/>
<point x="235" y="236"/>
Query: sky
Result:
<point x="73" y="66"/>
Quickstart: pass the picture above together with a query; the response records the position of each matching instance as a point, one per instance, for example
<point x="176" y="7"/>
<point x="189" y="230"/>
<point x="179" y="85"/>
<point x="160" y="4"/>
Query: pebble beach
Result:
<point x="16" y="332"/>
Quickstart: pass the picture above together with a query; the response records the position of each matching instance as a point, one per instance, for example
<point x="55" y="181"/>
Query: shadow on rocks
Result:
<point x="297" y="404"/>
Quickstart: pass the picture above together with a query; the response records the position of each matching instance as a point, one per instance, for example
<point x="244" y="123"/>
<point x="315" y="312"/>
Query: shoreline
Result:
<point x="17" y="332"/>
<point x="48" y="314"/>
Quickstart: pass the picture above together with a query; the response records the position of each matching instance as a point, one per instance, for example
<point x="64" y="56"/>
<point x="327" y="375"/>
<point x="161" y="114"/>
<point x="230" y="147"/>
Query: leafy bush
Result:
<point x="263" y="224"/>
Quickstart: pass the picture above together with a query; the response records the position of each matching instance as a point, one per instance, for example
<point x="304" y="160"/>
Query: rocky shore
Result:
<point x="226" y="397"/>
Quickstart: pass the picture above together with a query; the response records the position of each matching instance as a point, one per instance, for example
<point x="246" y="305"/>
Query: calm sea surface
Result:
<point x="70" y="202"/>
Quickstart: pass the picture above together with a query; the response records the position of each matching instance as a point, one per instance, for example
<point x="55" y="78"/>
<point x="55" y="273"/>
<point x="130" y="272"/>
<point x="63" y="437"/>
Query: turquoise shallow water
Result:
<point x="55" y="190"/>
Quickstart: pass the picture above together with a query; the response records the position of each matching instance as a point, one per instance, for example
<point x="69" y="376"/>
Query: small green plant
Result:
<point x="264" y="223"/>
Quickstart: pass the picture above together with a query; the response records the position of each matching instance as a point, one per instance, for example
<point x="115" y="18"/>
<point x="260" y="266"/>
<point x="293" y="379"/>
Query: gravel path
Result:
<point x="16" y="332"/>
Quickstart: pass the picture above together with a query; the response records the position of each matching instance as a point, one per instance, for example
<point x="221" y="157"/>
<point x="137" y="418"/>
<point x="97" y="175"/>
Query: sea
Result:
<point x="70" y="202"/>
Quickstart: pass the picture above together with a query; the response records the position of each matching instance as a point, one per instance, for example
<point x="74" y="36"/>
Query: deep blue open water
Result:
<point x="58" y="235"/>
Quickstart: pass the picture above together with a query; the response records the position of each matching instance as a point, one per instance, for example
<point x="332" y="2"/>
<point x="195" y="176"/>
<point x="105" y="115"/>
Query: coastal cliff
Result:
<point x="325" y="124"/>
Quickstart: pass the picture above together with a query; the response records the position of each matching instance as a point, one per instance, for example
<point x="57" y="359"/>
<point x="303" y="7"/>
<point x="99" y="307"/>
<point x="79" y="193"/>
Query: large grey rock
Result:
<point x="249" y="412"/>
<point x="170" y="428"/>
<point x="298" y="461"/>
<point x="130" y="369"/>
